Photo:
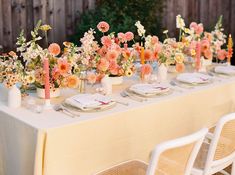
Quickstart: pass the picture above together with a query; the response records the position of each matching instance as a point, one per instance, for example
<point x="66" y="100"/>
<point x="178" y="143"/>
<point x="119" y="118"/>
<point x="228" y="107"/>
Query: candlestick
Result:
<point x="125" y="46"/>
<point x="230" y="49"/>
<point x="47" y="104"/>
<point x="198" y="56"/>
<point x="142" y="56"/>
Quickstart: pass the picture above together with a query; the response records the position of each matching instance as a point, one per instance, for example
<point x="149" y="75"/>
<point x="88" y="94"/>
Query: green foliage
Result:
<point x="122" y="15"/>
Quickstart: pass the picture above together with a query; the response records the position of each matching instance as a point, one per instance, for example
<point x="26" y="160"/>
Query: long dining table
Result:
<point x="52" y="143"/>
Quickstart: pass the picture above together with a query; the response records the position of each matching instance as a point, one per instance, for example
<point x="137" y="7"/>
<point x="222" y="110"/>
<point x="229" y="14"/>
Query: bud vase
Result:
<point x="14" y="97"/>
<point x="106" y="84"/>
<point x="162" y="73"/>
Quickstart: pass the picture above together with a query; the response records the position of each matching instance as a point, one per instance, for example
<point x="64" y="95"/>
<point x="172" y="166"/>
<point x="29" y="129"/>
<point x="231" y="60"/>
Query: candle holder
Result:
<point x="47" y="105"/>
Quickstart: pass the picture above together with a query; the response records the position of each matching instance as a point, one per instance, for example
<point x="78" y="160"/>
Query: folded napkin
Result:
<point x="83" y="101"/>
<point x="193" y="78"/>
<point x="149" y="88"/>
<point x="229" y="70"/>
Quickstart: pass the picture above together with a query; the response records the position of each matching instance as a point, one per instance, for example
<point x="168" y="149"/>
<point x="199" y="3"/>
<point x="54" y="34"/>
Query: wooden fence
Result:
<point x="63" y="15"/>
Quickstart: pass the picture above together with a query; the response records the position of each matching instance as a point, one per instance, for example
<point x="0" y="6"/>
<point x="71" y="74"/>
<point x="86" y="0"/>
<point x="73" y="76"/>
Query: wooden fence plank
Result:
<point x="59" y="21"/>
<point x="232" y="21"/>
<point x="30" y="17"/>
<point x="7" y="27"/>
<point x="1" y="24"/>
<point x="63" y="16"/>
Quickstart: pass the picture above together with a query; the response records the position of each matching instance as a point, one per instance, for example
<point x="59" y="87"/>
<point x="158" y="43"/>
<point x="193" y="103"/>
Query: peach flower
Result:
<point x="205" y="45"/>
<point x="91" y="77"/>
<point x="208" y="54"/>
<point x="180" y="67"/>
<point x="54" y="49"/>
<point x="129" y="36"/>
<point x="146" y="69"/>
<point x="102" y="51"/>
<point x="63" y="66"/>
<point x="208" y="36"/>
<point x="148" y="55"/>
<point x="103" y="26"/>
<point x="113" y="68"/>
<point x="103" y="65"/>
<point x="122" y="37"/>
<point x="112" y="55"/>
<point x="106" y="41"/>
<point x="221" y="54"/>
<point x="72" y="81"/>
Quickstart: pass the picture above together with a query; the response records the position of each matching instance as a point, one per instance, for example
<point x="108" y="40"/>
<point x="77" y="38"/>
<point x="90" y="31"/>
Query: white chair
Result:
<point x="174" y="157"/>
<point x="218" y="151"/>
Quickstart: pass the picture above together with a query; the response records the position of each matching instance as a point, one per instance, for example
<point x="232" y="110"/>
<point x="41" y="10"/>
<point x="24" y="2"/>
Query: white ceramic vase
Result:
<point x="14" y="97"/>
<point x="116" y="80"/>
<point x="53" y="93"/>
<point x="162" y="73"/>
<point x="106" y="85"/>
<point x="204" y="64"/>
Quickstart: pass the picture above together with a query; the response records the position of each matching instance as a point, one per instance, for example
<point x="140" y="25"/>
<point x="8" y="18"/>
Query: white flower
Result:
<point x="140" y="29"/>
<point x="165" y="31"/>
<point x="180" y="22"/>
<point x="148" y="41"/>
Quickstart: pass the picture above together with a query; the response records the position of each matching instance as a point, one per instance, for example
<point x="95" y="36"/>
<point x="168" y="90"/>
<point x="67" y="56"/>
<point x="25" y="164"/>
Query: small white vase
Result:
<point x="53" y="93"/>
<point x="116" y="80"/>
<point x="204" y="64"/>
<point x="162" y="73"/>
<point x="14" y="97"/>
<point x="106" y="85"/>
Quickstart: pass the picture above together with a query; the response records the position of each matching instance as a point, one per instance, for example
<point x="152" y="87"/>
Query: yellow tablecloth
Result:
<point x="53" y="144"/>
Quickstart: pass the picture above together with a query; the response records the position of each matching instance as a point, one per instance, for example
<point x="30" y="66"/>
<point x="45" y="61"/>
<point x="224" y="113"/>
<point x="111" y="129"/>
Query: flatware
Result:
<point x="173" y="83"/>
<point x="122" y="103"/>
<point x="65" y="110"/>
<point x="133" y="97"/>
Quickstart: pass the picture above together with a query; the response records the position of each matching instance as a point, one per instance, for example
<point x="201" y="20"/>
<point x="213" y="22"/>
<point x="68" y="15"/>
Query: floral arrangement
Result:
<point x="211" y="42"/>
<point x="112" y="55"/>
<point x="11" y="70"/>
<point x="33" y="56"/>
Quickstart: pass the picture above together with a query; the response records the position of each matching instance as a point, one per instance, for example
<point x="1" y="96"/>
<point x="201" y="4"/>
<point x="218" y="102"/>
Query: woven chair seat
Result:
<point x="133" y="167"/>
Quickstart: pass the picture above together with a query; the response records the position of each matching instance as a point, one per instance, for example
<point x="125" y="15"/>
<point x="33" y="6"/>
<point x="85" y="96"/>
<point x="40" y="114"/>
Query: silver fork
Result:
<point x="173" y="83"/>
<point x="133" y="97"/>
<point x="61" y="108"/>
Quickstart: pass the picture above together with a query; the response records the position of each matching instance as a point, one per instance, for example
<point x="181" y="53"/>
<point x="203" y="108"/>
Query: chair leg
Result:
<point x="233" y="169"/>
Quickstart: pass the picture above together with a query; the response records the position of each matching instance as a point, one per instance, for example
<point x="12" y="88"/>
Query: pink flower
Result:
<point x="113" y="68"/>
<point x="106" y="41"/>
<point x="193" y="25"/>
<point x="221" y="54"/>
<point x="129" y="36"/>
<point x="199" y="29"/>
<point x="122" y="37"/>
<point x="103" y="26"/>
<point x="103" y="65"/>
<point x="55" y="73"/>
<point x="91" y="77"/>
<point x="154" y="40"/>
<point x="146" y="69"/>
<point x="112" y="55"/>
